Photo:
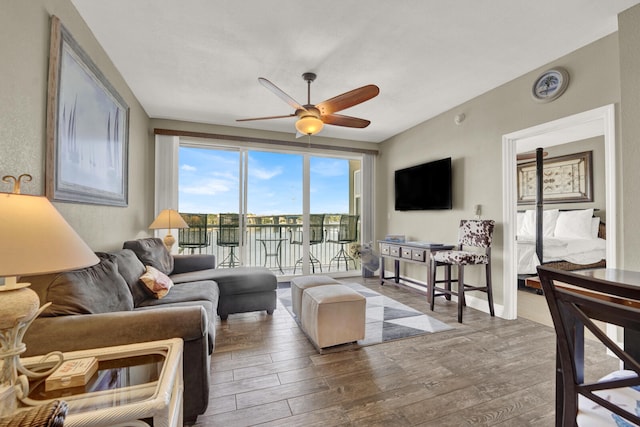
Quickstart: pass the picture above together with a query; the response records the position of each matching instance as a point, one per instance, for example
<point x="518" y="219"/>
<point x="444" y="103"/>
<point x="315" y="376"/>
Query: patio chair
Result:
<point x="316" y="230"/>
<point x="197" y="235"/>
<point x="347" y="233"/>
<point x="229" y="236"/>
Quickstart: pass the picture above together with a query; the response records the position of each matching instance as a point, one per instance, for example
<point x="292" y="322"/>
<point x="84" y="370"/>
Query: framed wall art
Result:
<point x="565" y="179"/>
<point x="87" y="128"/>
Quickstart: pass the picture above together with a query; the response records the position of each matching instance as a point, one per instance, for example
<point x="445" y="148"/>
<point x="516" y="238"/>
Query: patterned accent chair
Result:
<point x="474" y="248"/>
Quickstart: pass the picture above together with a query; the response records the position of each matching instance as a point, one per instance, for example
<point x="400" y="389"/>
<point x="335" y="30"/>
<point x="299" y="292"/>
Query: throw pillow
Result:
<point x="156" y="282"/>
<point x="574" y="224"/>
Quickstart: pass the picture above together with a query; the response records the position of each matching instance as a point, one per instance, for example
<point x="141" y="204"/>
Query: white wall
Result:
<point x="24" y="43"/>
<point x="475" y="146"/>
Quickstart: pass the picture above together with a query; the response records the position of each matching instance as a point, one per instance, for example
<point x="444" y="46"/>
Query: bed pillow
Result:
<point x="574" y="224"/>
<point x="549" y="219"/>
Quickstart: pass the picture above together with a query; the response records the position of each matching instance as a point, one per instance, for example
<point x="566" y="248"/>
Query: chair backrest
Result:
<point x="348" y="228"/>
<point x="316" y="228"/>
<point x="228" y="229"/>
<point x="196" y="235"/>
<point x="476" y="232"/>
<point x="575" y="300"/>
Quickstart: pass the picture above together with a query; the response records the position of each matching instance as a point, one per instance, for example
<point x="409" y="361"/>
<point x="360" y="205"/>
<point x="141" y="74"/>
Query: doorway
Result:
<point x="592" y="123"/>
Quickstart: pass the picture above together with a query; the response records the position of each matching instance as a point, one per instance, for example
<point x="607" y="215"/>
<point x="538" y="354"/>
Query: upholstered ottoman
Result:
<point x="332" y="315"/>
<point x="245" y="289"/>
<point x="299" y="284"/>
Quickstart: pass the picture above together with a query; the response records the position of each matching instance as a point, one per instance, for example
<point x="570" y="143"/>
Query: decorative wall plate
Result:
<point x="550" y="85"/>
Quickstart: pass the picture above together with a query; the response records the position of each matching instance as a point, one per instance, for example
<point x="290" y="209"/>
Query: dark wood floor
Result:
<point x="487" y="371"/>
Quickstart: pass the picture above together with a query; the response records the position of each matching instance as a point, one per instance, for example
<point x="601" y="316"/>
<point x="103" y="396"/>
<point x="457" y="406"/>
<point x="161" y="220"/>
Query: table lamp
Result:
<point x="168" y="219"/>
<point x="35" y="240"/>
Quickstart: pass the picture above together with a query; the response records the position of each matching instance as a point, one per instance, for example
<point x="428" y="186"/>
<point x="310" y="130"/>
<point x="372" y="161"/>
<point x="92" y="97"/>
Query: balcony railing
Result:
<point x="267" y="242"/>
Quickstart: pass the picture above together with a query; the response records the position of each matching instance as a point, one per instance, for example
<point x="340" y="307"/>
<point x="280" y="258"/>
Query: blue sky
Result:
<point x="208" y="182"/>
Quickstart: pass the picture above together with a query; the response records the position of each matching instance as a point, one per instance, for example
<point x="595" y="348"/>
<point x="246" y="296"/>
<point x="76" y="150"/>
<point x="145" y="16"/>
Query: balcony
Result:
<point x="268" y="242"/>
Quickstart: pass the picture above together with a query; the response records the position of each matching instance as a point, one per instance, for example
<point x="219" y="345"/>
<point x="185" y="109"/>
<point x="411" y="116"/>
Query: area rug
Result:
<point x="386" y="318"/>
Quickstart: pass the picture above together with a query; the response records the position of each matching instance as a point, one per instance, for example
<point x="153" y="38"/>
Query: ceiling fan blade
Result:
<point x="348" y="99"/>
<point x="347" y="121"/>
<point x="265" y="118"/>
<point x="280" y="93"/>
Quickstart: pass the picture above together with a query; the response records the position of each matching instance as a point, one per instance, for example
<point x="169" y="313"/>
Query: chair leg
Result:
<point x="431" y="284"/>
<point x="461" y="301"/>
<point x="489" y="290"/>
<point x="447" y="278"/>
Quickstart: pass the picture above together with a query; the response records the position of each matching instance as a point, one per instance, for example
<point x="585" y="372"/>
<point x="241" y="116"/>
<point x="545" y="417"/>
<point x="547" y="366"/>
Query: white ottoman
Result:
<point x="299" y="284"/>
<point x="333" y="314"/>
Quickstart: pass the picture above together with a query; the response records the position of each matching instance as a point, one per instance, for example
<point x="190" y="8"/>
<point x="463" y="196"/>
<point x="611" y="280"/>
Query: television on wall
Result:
<point x="424" y="187"/>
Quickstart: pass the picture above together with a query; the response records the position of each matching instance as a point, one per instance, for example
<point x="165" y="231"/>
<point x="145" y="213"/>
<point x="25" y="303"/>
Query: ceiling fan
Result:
<point x="312" y="118"/>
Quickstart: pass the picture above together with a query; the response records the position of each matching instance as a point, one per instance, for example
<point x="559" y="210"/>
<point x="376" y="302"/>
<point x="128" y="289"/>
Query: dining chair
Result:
<point x="347" y="233"/>
<point x="576" y="301"/>
<point x="473" y="248"/>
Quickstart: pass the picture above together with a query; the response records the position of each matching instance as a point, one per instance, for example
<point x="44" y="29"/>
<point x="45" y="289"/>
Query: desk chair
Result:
<point x="316" y="230"/>
<point x="196" y="236"/>
<point x="574" y="306"/>
<point x="472" y="234"/>
<point x="347" y="233"/>
<point x="229" y="236"/>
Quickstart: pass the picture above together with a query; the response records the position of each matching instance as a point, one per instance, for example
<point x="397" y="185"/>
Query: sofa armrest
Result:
<point x="80" y="332"/>
<point x="195" y="262"/>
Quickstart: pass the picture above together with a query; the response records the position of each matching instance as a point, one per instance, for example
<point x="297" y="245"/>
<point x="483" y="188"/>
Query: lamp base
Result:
<point x="169" y="241"/>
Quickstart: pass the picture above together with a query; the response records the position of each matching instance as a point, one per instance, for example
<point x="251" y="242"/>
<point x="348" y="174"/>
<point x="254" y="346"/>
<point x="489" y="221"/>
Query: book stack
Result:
<point x="72" y="373"/>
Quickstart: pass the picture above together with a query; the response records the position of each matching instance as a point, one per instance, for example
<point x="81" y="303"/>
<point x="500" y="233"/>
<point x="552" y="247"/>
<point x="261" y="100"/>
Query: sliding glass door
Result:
<point x="282" y="210"/>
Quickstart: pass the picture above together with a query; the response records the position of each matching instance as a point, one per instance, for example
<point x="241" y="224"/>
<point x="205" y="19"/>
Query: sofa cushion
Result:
<point x="131" y="268"/>
<point x="157" y="283"/>
<point x="193" y="293"/>
<point x="96" y="289"/>
<point x="151" y="251"/>
<point x="233" y="281"/>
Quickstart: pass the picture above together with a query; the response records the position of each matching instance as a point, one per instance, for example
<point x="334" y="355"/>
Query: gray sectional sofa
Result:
<point x="107" y="305"/>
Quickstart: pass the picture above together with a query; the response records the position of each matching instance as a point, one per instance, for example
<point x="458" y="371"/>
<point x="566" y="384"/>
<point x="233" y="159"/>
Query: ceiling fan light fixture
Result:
<point x="309" y="125"/>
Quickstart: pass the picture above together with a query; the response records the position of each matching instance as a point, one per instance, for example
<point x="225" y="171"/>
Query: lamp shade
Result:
<point x="36" y="239"/>
<point x="309" y="125"/>
<point x="168" y="219"/>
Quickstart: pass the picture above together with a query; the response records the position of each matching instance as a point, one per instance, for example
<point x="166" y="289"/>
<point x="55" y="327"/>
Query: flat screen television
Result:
<point x="424" y="187"/>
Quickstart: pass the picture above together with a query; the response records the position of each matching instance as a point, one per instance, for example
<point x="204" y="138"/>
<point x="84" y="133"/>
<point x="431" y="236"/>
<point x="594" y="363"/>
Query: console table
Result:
<point x="409" y="252"/>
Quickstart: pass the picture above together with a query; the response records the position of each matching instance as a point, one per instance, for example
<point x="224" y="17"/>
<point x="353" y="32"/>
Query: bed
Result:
<point x="571" y="240"/>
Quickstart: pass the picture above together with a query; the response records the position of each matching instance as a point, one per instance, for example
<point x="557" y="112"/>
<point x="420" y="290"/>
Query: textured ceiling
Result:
<point x="199" y="60"/>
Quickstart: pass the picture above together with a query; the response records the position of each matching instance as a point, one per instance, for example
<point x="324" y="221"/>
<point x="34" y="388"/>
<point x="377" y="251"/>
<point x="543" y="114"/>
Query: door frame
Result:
<point x="597" y="122"/>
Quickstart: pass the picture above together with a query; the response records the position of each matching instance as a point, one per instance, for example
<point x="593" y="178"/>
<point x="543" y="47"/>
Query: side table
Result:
<point x="133" y="382"/>
<point x="273" y="248"/>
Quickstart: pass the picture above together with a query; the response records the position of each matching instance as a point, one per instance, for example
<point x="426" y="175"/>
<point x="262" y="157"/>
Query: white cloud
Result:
<point x="208" y="187"/>
<point x="265" y="174"/>
<point x="328" y="167"/>
<point x="188" y="168"/>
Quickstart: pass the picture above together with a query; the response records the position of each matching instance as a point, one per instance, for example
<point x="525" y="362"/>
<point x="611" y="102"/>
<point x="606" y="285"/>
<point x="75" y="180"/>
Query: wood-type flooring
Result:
<point x="485" y="372"/>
